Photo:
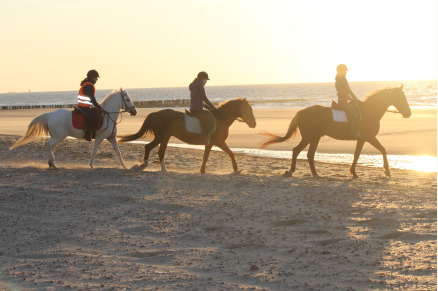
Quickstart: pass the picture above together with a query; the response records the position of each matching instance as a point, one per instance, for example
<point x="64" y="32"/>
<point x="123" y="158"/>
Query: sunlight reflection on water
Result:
<point x="417" y="163"/>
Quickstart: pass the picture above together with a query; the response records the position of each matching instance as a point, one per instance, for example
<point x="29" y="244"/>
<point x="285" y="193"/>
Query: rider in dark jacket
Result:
<point x="198" y="100"/>
<point x="87" y="100"/>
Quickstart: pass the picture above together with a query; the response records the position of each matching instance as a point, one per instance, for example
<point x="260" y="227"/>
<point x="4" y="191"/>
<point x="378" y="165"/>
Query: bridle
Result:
<point x="115" y="122"/>
<point x="232" y="117"/>
<point x="125" y="104"/>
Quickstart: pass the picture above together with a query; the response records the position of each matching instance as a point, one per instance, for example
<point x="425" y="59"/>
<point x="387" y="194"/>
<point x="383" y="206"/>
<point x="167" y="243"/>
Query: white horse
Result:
<point x="59" y="125"/>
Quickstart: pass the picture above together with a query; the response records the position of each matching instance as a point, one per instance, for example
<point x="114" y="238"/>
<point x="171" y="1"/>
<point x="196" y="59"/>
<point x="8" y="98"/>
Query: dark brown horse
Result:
<point x="316" y="121"/>
<point x="166" y="123"/>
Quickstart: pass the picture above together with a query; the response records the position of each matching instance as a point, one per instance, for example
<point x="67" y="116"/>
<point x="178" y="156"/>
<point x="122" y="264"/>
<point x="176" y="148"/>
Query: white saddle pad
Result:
<point x="339" y="116"/>
<point x="194" y="126"/>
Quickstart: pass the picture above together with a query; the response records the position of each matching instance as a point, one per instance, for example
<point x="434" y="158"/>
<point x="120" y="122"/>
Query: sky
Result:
<point x="50" y="45"/>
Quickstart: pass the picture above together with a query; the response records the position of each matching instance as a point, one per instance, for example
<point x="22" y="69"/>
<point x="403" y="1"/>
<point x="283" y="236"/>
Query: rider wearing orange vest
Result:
<point x="87" y="100"/>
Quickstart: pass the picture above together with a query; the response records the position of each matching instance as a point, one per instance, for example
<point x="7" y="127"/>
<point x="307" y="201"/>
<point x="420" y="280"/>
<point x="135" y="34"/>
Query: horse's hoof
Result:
<point x="139" y="167"/>
<point x="91" y="166"/>
<point x="387" y="173"/>
<point x="287" y="174"/>
<point x="237" y="172"/>
<point x="52" y="165"/>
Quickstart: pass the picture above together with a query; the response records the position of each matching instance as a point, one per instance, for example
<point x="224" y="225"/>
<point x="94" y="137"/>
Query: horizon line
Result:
<point x="229" y="85"/>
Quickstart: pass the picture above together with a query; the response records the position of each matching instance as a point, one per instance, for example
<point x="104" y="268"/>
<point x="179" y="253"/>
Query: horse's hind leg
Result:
<point x="147" y="149"/>
<point x="311" y="156"/>
<point x="51" y="145"/>
<point x="161" y="153"/>
<point x="295" y="152"/>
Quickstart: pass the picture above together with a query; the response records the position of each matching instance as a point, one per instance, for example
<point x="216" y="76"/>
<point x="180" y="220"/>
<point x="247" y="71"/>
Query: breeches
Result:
<point x="206" y="119"/>
<point x="351" y="110"/>
<point x="91" y="116"/>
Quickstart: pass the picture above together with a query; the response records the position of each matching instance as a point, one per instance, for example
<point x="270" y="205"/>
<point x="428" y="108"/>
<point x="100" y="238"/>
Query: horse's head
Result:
<point x="126" y="103"/>
<point x="238" y="108"/>
<point x="400" y="102"/>
<point x="246" y="113"/>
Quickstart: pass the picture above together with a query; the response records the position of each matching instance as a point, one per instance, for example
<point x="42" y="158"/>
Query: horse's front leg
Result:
<point x="375" y="143"/>
<point x="223" y="146"/>
<point x="113" y="142"/>
<point x="359" y="146"/>
<point x="96" y="146"/>
<point x="205" y="158"/>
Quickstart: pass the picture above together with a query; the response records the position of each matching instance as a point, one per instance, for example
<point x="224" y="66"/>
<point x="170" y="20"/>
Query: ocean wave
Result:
<point x="418" y="93"/>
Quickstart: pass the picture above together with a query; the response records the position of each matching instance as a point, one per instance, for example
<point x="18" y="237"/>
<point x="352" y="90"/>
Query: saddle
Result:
<point x="193" y="125"/>
<point x="339" y="114"/>
<point x="79" y="120"/>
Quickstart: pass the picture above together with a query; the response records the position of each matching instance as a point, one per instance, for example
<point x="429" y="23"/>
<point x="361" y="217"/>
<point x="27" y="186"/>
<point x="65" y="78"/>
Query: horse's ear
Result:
<point x="401" y="87"/>
<point x="121" y="89"/>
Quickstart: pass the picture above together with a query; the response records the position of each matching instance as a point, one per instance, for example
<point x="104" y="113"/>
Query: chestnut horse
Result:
<point x="316" y="121"/>
<point x="166" y="123"/>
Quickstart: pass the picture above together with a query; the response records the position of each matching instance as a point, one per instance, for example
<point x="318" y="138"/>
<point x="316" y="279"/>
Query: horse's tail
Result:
<point x="145" y="130"/>
<point x="37" y="128"/>
<point x="291" y="132"/>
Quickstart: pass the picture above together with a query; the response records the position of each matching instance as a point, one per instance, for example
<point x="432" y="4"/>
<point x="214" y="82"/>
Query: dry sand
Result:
<point x="111" y="229"/>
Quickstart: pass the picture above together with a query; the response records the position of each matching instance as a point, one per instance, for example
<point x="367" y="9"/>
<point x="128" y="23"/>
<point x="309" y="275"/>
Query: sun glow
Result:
<point x="144" y="44"/>
<point x="418" y="163"/>
<point x="424" y="164"/>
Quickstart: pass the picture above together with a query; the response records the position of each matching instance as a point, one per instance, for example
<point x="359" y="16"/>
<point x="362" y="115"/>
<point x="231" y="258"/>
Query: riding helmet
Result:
<point x="203" y="75"/>
<point x="341" y="68"/>
<point x="92" y="74"/>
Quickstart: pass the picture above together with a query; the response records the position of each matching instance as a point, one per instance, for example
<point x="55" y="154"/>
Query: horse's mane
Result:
<point x="228" y="102"/>
<point x="377" y="93"/>
<point x="110" y="94"/>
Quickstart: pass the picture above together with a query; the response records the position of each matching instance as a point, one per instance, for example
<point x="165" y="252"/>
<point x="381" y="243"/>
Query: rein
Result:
<point x="228" y="116"/>
<point x="393" y="111"/>
<point x="115" y="122"/>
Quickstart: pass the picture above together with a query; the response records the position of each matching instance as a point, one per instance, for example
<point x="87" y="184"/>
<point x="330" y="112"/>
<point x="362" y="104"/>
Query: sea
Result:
<point x="419" y="93"/>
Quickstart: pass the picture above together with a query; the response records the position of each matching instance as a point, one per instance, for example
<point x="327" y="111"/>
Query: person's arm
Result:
<point x="204" y="98"/>
<point x="89" y="91"/>
<point x="350" y="93"/>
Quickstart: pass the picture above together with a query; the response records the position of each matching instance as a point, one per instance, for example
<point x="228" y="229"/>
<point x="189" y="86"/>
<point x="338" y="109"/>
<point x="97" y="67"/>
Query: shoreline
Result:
<point x="414" y="136"/>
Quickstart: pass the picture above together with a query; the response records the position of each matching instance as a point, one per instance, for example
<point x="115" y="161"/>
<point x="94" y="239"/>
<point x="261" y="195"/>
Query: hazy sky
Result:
<point x="50" y="45"/>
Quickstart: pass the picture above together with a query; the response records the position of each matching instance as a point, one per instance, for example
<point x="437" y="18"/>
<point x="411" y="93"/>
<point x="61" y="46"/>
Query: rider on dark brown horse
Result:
<point x="87" y="100"/>
<point x="198" y="100"/>
<point x="347" y="99"/>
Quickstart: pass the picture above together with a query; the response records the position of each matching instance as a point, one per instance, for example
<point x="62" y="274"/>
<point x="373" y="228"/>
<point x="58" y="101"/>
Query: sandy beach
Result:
<point x="110" y="229"/>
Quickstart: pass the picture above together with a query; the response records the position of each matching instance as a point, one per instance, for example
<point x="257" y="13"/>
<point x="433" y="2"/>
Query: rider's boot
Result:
<point x="205" y="138"/>
<point x="353" y="129"/>
<point x="87" y="135"/>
